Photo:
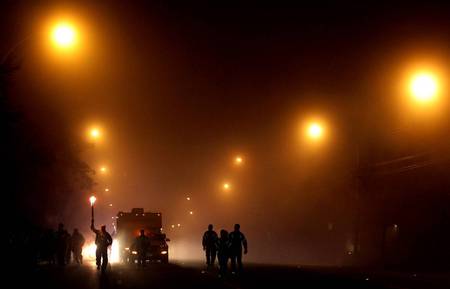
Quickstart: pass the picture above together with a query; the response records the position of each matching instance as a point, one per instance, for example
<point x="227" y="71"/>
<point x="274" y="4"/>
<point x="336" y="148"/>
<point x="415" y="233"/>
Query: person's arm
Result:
<point x="110" y="240"/>
<point x="93" y="228"/>
<point x="244" y="242"/>
<point x="204" y="241"/>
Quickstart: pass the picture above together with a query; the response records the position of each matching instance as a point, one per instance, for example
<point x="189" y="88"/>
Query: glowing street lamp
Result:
<point x="238" y="160"/>
<point x="424" y="87"/>
<point x="92" y="200"/>
<point x="94" y="134"/>
<point x="226" y="186"/>
<point x="103" y="170"/>
<point x="191" y="213"/>
<point x="64" y="35"/>
<point x="314" y="131"/>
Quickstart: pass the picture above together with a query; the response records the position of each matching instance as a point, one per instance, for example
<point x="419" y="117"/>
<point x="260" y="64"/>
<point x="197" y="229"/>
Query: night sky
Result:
<point x="180" y="89"/>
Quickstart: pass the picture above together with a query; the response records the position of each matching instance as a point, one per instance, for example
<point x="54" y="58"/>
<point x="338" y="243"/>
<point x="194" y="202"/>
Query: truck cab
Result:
<point x="128" y="227"/>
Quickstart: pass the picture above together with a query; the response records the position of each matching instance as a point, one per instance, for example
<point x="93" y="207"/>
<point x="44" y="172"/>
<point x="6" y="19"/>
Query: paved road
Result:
<point x="193" y="275"/>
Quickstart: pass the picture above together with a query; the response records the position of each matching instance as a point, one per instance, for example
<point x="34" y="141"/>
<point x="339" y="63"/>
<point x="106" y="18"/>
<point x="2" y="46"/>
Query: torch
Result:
<point x="92" y="199"/>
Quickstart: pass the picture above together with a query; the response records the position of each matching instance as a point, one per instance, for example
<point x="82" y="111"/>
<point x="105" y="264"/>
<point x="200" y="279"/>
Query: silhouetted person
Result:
<point x="209" y="242"/>
<point x="103" y="240"/>
<point x="141" y="245"/>
<point x="237" y="241"/>
<point x="223" y="252"/>
<point x="68" y="248"/>
<point x="62" y="238"/>
<point x="77" y="246"/>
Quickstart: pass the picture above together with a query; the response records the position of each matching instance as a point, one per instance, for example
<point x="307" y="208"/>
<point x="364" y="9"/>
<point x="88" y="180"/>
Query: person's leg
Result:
<point x="221" y="264"/>
<point x="105" y="259"/>
<point x="239" y="260"/>
<point x="98" y="256"/>
<point x="213" y="256"/>
<point x="208" y="256"/>
<point x="233" y="262"/>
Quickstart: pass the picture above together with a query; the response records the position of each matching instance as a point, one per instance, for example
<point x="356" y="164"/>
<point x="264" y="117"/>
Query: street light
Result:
<point x="424" y="87"/>
<point x="226" y="186"/>
<point x="238" y="160"/>
<point x="103" y="170"/>
<point x="64" y="35"/>
<point x="94" y="134"/>
<point x="314" y="131"/>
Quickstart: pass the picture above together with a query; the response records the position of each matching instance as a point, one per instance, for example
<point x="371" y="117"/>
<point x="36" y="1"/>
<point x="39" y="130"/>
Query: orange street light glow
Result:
<point x="106" y="190"/>
<point x="94" y="134"/>
<point x="64" y="35"/>
<point x="314" y="130"/>
<point x="226" y="186"/>
<point x="238" y="160"/>
<point x="103" y="170"/>
<point x="188" y="198"/>
<point x="424" y="86"/>
<point x="191" y="213"/>
<point x="92" y="200"/>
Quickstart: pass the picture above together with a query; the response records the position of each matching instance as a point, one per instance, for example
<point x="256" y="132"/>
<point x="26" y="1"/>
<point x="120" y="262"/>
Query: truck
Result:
<point x="128" y="228"/>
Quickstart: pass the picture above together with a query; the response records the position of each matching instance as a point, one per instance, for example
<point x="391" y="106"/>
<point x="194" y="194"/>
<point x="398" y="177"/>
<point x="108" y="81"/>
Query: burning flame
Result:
<point x="89" y="252"/>
<point x="92" y="200"/>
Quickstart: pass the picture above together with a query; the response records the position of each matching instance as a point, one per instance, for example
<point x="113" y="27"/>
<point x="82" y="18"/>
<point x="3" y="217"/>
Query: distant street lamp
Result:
<point x="94" y="134"/>
<point x="238" y="160"/>
<point x="226" y="186"/>
<point x="103" y="169"/>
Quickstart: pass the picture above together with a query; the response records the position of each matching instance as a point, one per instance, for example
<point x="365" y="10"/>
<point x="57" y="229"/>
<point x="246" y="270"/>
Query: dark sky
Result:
<point x="180" y="89"/>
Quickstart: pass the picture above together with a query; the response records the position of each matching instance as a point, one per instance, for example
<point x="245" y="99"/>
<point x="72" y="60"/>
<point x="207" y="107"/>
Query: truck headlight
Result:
<point x="163" y="252"/>
<point x="134" y="252"/>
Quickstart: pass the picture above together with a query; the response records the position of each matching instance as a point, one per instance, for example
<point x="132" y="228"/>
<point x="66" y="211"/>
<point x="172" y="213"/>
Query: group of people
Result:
<point x="59" y="247"/>
<point x="227" y="246"/>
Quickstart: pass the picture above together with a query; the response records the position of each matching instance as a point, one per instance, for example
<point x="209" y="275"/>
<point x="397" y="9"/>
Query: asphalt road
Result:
<point x="194" y="275"/>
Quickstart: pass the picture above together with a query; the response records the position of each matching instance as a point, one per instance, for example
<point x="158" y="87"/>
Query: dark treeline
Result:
<point x="42" y="176"/>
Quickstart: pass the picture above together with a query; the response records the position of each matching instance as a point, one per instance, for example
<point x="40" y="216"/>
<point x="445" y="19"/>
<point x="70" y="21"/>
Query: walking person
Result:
<point x="103" y="240"/>
<point x="237" y="241"/>
<point x="77" y="246"/>
<point x="223" y="252"/>
<point x="209" y="242"/>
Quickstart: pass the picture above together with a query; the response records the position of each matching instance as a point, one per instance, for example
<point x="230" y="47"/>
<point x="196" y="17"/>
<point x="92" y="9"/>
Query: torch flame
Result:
<point x="92" y="200"/>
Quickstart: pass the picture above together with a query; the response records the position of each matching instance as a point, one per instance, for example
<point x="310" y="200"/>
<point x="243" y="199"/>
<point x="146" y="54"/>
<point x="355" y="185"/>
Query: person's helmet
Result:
<point x="237" y="227"/>
<point x="210" y="227"/>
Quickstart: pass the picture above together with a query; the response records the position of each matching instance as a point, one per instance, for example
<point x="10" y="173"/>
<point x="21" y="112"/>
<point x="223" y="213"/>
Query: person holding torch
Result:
<point x="102" y="240"/>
